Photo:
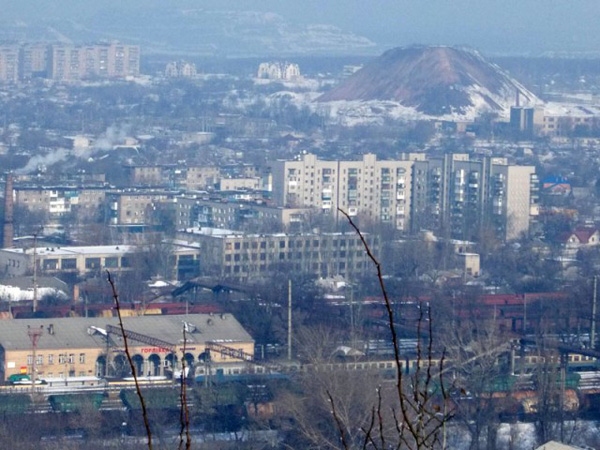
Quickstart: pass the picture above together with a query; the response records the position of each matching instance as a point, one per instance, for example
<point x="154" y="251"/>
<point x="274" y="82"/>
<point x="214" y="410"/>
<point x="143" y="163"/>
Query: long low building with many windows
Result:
<point x="84" y="347"/>
<point x="242" y="256"/>
<point x="91" y="259"/>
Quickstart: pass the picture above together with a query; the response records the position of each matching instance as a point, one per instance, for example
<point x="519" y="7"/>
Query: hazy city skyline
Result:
<point x="510" y="27"/>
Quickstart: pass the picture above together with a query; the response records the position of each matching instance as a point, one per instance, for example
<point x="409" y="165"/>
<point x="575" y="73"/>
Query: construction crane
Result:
<point x="211" y="347"/>
<point x="139" y="337"/>
<point x="223" y="350"/>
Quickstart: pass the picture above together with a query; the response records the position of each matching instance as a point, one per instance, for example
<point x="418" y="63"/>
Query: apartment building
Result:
<point x="57" y="201"/>
<point x="76" y="62"/>
<point x="241" y="256"/>
<point x="454" y="194"/>
<point x="134" y="207"/>
<point x="461" y="195"/>
<point x="195" y="211"/>
<point x="237" y="184"/>
<point x="191" y="178"/>
<point x="378" y="190"/>
<point x="9" y="63"/>
<point x="33" y="61"/>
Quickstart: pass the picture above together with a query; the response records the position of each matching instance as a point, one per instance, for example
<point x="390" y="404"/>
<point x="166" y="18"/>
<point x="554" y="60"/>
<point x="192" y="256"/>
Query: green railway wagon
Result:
<point x="75" y="402"/>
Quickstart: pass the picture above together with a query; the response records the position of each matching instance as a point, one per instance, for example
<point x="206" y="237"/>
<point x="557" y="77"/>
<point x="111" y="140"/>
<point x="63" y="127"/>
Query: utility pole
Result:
<point x="289" y="340"/>
<point x="524" y="314"/>
<point x="352" y="316"/>
<point x="35" y="290"/>
<point x="594" y="305"/>
<point x="34" y="335"/>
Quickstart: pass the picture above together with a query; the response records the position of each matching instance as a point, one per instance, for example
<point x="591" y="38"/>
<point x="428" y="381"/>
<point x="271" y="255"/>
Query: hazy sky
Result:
<point x="499" y="26"/>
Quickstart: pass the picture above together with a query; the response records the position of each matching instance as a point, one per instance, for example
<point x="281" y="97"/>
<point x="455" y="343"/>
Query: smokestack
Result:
<point x="518" y="99"/>
<point x="8" y="231"/>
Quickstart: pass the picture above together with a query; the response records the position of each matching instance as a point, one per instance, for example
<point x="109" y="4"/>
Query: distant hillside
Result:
<point x="435" y="81"/>
<point x="203" y="32"/>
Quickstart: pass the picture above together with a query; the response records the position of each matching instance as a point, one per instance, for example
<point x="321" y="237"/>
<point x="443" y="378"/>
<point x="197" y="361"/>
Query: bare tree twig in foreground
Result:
<point x="130" y="360"/>
<point x="184" y="417"/>
<point x="422" y="420"/>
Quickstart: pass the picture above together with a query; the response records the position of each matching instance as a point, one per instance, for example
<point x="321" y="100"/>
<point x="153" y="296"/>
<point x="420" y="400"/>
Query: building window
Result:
<point x="39" y="360"/>
<point x="113" y="261"/>
<point x="50" y="264"/>
<point x="62" y="358"/>
<point x="50" y="359"/>
<point x="82" y="358"/>
<point x="29" y="360"/>
<point x="236" y="246"/>
<point x="72" y="358"/>
<point x="125" y="262"/>
<point x="92" y="263"/>
<point x="68" y="264"/>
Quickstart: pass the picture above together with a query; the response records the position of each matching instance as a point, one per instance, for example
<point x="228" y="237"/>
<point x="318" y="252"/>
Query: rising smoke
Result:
<point x="113" y="135"/>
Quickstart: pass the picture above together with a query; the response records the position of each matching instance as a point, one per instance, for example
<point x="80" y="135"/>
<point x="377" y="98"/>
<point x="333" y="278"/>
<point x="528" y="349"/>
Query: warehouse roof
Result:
<point x="77" y="332"/>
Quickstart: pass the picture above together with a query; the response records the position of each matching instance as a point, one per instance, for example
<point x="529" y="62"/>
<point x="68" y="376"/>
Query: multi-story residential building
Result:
<point x="278" y="71"/>
<point x="135" y="206"/>
<point x="33" y="61"/>
<point x="378" y="190"/>
<point x="455" y="194"/>
<point x="114" y="60"/>
<point x="195" y="211"/>
<point x="461" y="195"/>
<point x="238" y="255"/>
<point x="57" y="201"/>
<point x="173" y="175"/>
<point x="9" y="63"/>
<point x="236" y="184"/>
<point x="200" y="177"/>
<point x="180" y="69"/>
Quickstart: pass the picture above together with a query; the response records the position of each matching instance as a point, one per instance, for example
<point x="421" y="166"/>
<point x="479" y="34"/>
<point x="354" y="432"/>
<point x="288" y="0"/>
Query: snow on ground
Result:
<point x="522" y="436"/>
<point x="15" y="294"/>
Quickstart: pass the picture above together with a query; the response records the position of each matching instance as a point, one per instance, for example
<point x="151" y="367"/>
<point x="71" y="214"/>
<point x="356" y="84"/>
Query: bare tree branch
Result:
<point x="338" y="422"/>
<point x="130" y="360"/>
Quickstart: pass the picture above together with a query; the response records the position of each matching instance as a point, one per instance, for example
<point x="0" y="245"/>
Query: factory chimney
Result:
<point x="8" y="230"/>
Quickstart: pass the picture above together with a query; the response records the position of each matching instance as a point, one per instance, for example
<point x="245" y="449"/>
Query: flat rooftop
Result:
<point x="75" y="251"/>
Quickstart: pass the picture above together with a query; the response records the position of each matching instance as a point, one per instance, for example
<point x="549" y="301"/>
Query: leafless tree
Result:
<point x="419" y="407"/>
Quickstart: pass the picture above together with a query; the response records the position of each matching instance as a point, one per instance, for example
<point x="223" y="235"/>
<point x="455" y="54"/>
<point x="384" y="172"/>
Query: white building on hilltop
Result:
<point x="180" y="69"/>
<point x="278" y="71"/>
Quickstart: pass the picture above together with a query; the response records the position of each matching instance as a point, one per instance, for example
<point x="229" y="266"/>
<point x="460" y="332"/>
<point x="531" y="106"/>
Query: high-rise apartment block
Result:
<point x="67" y="62"/>
<point x="9" y="63"/>
<point x="278" y="71"/>
<point x="114" y="60"/>
<point x="380" y="190"/>
<point x="462" y="196"/>
<point x="453" y="194"/>
<point x="33" y="61"/>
